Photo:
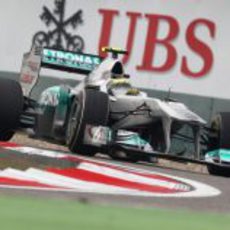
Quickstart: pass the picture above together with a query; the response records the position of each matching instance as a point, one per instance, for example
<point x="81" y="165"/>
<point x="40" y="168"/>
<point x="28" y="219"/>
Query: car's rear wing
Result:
<point x="69" y="61"/>
<point x="39" y="57"/>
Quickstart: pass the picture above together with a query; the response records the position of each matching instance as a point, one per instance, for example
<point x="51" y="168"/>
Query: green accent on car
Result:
<point x="57" y="97"/>
<point x="133" y="139"/>
<point x="222" y="154"/>
<point x="54" y="96"/>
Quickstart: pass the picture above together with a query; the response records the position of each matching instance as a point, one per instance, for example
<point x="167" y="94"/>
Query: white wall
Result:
<point x="19" y="21"/>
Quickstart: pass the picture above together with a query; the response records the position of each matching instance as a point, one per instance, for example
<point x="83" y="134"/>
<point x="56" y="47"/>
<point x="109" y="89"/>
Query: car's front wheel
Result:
<point x="89" y="107"/>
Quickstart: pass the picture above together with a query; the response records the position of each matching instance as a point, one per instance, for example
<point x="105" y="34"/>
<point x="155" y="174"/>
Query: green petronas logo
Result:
<point x="69" y="59"/>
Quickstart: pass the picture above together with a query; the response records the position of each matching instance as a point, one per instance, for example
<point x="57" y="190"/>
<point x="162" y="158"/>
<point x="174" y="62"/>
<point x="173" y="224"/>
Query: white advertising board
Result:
<point x="182" y="45"/>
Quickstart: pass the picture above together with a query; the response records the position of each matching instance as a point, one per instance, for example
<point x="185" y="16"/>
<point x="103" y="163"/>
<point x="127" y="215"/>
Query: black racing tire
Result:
<point x="218" y="170"/>
<point x="220" y="137"/>
<point x="6" y="135"/>
<point x="90" y="107"/>
<point x="11" y="106"/>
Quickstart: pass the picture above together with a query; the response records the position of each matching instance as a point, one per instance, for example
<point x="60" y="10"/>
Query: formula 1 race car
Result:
<point x="104" y="112"/>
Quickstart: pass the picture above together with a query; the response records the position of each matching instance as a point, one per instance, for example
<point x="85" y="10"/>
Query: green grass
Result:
<point x="27" y="213"/>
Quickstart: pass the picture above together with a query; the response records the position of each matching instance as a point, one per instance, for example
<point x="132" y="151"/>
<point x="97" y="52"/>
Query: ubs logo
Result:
<point x="59" y="37"/>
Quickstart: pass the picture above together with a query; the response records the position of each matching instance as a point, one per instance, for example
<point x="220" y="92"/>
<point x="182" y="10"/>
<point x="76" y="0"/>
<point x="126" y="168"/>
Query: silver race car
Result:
<point x="102" y="113"/>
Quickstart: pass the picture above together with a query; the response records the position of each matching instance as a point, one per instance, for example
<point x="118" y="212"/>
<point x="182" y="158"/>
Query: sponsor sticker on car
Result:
<point x="70" y="60"/>
<point x="97" y="135"/>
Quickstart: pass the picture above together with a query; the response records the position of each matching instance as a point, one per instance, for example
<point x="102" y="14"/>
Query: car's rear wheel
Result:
<point x="90" y="107"/>
<point x="11" y="105"/>
<point x="219" y="138"/>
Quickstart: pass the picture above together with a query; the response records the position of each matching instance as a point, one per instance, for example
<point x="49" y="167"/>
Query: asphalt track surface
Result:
<point x="219" y="204"/>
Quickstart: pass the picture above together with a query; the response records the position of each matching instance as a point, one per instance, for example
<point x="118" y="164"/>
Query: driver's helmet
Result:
<point x="119" y="80"/>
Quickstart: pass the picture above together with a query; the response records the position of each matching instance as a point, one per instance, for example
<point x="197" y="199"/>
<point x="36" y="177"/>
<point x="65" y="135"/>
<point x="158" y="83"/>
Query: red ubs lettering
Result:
<point x="195" y="44"/>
